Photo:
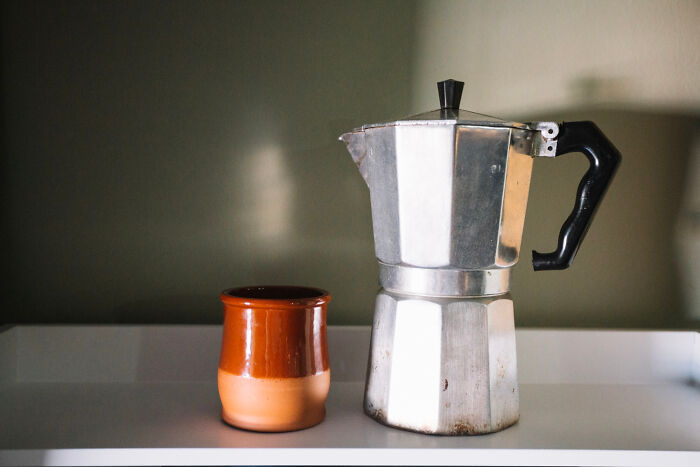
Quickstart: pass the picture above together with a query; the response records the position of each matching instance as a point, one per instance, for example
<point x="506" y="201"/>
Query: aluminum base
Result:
<point x="443" y="365"/>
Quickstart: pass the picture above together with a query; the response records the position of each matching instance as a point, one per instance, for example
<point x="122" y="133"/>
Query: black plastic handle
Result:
<point x="604" y="158"/>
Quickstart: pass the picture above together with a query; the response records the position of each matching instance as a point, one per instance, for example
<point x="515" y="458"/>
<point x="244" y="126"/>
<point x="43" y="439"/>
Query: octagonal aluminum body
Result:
<point x="443" y="366"/>
<point x="445" y="195"/>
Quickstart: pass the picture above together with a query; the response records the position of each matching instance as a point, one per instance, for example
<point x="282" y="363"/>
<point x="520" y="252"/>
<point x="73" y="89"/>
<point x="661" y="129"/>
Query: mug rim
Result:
<point x="290" y="295"/>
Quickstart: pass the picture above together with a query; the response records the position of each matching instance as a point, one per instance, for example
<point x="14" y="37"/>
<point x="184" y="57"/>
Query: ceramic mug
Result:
<point x="273" y="370"/>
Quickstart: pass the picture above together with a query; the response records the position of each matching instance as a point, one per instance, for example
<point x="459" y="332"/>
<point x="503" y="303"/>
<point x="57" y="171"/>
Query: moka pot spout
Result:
<point x="355" y="142"/>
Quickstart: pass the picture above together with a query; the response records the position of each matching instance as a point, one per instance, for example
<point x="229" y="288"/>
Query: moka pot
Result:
<point x="448" y="192"/>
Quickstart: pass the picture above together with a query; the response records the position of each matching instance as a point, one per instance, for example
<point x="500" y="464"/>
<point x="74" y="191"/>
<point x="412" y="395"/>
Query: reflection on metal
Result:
<point x="413" y="320"/>
<point x="424" y="197"/>
<point x="443" y="365"/>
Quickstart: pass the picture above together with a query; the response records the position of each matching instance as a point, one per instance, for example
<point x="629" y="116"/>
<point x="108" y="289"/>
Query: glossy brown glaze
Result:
<point x="274" y="332"/>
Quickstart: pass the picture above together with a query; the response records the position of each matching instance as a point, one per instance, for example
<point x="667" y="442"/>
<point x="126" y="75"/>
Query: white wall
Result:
<point x="518" y="56"/>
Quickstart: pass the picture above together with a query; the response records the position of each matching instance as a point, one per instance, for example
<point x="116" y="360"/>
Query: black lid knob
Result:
<point x="450" y="92"/>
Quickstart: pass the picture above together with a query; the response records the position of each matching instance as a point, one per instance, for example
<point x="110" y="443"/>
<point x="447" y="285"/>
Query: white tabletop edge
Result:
<point x="345" y="456"/>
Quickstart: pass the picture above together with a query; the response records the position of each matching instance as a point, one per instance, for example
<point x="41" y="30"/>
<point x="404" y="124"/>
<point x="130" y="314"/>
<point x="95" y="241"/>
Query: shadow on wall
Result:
<point x="627" y="272"/>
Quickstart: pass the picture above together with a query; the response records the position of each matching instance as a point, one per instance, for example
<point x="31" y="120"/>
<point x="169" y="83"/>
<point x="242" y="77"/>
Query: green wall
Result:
<point x="155" y="153"/>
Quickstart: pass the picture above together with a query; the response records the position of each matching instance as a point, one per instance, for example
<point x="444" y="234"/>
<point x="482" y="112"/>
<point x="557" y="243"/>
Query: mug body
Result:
<point x="273" y="369"/>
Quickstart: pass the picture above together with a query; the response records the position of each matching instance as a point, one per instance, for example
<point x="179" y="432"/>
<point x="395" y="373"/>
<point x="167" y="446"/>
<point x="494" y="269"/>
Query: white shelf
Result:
<point x="145" y="395"/>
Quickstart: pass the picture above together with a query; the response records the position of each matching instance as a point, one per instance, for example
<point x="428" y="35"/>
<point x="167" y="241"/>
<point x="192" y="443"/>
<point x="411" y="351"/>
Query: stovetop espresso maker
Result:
<point x="448" y="190"/>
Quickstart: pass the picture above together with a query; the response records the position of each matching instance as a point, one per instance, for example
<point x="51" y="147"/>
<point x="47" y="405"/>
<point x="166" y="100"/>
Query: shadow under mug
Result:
<point x="273" y="369"/>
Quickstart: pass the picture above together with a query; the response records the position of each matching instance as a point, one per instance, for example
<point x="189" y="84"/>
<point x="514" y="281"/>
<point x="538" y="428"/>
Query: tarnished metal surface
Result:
<point x="443" y="366"/>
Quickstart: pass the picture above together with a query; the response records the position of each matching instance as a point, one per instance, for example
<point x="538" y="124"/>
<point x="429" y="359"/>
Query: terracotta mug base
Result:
<point x="273" y="404"/>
